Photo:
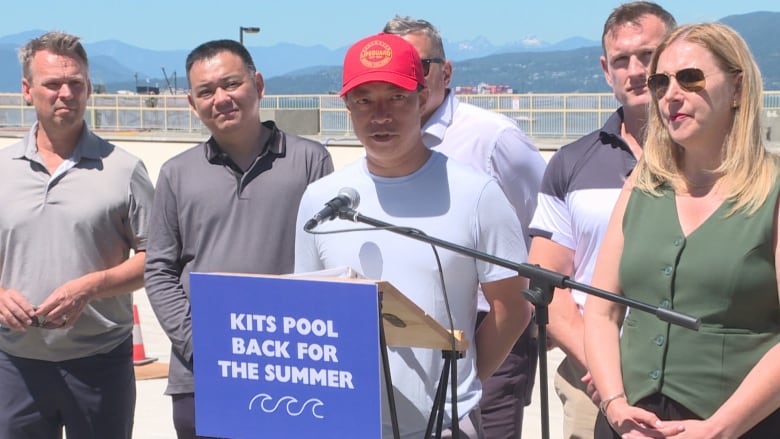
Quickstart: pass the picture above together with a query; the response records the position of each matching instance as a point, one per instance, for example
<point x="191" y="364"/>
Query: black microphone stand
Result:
<point x="542" y="284"/>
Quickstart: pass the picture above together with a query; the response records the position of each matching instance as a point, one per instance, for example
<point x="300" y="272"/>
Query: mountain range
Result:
<point x="530" y="65"/>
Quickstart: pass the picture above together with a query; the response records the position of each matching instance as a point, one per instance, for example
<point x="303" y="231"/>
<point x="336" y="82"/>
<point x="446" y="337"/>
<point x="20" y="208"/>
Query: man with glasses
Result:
<point x="579" y="190"/>
<point x="494" y="145"/>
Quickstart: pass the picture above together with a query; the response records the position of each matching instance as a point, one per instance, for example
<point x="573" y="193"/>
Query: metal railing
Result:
<point x="539" y="115"/>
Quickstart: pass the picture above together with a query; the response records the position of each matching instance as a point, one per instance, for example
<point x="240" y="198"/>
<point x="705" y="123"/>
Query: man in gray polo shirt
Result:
<point x="228" y="204"/>
<point x="74" y="206"/>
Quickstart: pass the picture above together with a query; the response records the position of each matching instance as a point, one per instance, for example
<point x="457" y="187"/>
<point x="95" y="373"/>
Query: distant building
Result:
<point x="147" y="90"/>
<point x="483" y="89"/>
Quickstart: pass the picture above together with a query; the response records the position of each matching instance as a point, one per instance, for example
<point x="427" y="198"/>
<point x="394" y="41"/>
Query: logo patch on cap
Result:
<point x="376" y="54"/>
<point x="382" y="58"/>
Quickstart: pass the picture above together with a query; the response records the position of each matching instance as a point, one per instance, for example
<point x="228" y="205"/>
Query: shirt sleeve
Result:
<point x="552" y="219"/>
<point x="325" y="167"/>
<point x="163" y="270"/>
<point x="518" y="167"/>
<point x="498" y="233"/>
<point x="141" y="195"/>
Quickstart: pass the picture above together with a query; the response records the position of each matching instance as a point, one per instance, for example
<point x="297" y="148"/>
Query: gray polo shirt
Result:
<point x="55" y="228"/>
<point x="210" y="217"/>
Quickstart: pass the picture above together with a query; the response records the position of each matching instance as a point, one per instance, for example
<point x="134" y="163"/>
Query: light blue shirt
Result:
<point x="444" y="199"/>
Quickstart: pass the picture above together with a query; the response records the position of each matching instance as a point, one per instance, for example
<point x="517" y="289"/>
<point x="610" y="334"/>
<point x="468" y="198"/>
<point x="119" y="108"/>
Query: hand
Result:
<point x="637" y="423"/>
<point x="698" y="429"/>
<point x="16" y="312"/>
<point x="590" y="387"/>
<point x="64" y="305"/>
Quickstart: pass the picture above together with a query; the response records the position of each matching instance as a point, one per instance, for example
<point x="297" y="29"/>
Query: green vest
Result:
<point x="723" y="273"/>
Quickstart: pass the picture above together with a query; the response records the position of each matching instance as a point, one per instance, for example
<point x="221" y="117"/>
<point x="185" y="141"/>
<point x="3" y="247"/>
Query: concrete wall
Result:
<point x="304" y="122"/>
<point x="771" y="123"/>
<point x="155" y="152"/>
<point x="155" y="148"/>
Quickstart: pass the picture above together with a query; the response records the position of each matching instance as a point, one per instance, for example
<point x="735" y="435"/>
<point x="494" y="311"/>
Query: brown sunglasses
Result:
<point x="690" y="79"/>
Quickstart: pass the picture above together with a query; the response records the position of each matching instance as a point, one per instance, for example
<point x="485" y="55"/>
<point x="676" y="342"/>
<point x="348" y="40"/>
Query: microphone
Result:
<point x="347" y="198"/>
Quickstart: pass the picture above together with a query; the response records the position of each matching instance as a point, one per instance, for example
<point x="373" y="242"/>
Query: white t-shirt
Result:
<point x="446" y="200"/>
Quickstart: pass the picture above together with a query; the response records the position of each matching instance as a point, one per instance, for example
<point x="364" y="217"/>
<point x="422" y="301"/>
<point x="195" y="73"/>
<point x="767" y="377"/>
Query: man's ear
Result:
<point x="447" y="70"/>
<point x="424" y="94"/>
<point x="605" y="69"/>
<point x="192" y="105"/>
<point x="346" y="103"/>
<point x="26" y="91"/>
<point x="260" y="85"/>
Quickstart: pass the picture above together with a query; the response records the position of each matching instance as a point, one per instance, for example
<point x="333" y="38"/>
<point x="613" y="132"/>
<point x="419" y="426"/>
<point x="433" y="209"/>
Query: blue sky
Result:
<point x="174" y="24"/>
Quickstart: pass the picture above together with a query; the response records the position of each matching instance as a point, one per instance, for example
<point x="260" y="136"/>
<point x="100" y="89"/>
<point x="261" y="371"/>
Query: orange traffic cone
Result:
<point x="139" y="353"/>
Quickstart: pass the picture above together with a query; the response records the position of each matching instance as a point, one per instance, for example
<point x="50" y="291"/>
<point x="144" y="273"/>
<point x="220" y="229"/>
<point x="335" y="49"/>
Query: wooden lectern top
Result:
<point x="405" y="323"/>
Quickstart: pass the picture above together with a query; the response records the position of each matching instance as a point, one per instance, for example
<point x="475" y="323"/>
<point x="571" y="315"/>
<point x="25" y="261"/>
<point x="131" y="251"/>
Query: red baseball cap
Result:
<point x="382" y="57"/>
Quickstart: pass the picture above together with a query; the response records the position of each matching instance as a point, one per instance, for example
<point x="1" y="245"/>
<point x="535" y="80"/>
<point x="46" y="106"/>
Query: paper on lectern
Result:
<point x="344" y="272"/>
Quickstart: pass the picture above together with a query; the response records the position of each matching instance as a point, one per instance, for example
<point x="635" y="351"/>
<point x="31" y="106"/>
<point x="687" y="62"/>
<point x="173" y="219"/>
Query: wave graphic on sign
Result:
<point x="291" y="403"/>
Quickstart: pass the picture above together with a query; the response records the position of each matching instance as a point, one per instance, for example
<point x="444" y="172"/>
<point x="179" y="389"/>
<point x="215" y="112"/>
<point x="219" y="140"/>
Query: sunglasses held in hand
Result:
<point x="690" y="79"/>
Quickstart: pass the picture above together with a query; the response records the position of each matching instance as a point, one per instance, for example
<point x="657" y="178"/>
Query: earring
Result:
<point x="735" y="104"/>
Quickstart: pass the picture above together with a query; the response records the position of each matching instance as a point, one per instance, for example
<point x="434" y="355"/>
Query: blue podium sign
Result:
<point x="285" y="357"/>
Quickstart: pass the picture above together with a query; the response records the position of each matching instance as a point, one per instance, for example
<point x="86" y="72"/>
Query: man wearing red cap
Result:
<point x="402" y="182"/>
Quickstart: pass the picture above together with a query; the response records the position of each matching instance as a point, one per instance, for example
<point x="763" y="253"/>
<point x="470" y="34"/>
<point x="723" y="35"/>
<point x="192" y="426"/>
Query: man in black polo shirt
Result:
<point x="579" y="190"/>
<point x="228" y="204"/>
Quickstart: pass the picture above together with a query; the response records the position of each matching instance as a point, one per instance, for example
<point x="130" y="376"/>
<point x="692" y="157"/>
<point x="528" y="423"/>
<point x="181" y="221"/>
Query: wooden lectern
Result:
<point x="404" y="324"/>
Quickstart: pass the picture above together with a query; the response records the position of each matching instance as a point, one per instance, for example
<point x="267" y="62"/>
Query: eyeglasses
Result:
<point x="426" y="63"/>
<point x="690" y="79"/>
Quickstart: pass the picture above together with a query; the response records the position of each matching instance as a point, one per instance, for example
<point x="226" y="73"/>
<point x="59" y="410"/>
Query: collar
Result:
<point x="434" y="129"/>
<point x="275" y="144"/>
<point x="88" y="146"/>
<point x="610" y="132"/>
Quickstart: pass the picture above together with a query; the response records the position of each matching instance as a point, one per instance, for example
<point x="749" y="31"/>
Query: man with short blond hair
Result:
<point x="74" y="209"/>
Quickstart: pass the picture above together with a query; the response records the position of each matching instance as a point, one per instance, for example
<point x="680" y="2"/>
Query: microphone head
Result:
<point x="351" y="195"/>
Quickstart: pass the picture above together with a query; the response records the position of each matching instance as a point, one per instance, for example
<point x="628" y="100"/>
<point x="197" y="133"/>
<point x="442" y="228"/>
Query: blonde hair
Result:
<point x="747" y="168"/>
<point x="56" y="42"/>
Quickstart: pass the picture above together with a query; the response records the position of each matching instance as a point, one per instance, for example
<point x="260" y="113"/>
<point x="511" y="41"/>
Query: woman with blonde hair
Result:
<point x="695" y="230"/>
